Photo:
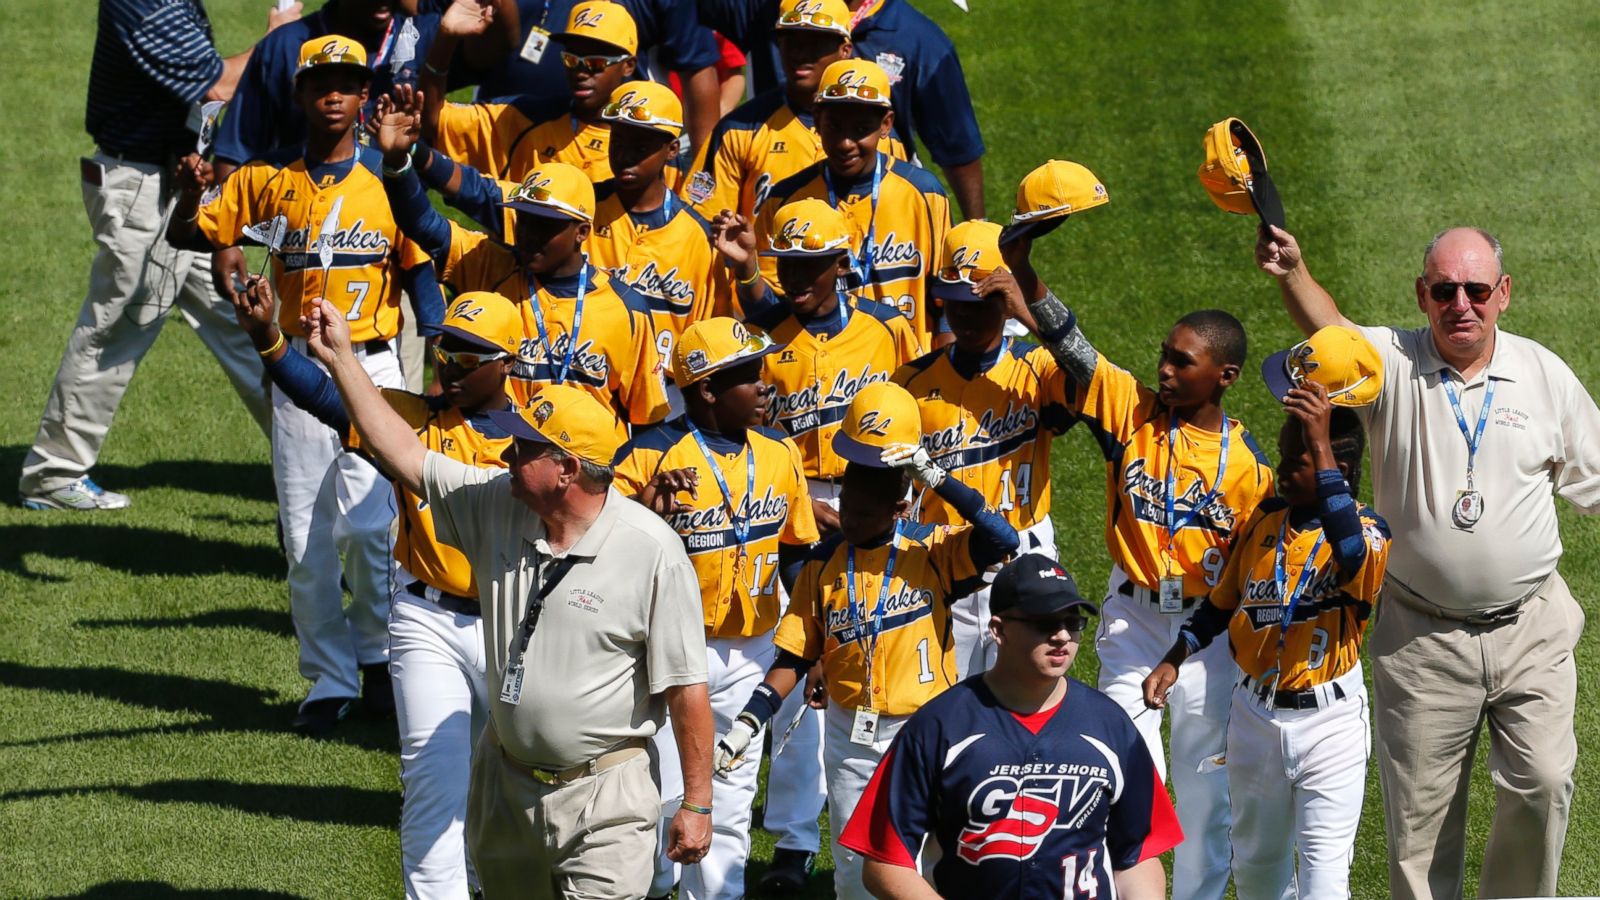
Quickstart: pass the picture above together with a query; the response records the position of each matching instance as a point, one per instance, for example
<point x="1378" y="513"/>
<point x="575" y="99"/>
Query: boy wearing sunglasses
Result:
<point x="990" y="409"/>
<point x="1032" y="783"/>
<point x="1294" y="602"/>
<point x="435" y="624"/>
<point x="872" y="604"/>
<point x="901" y="209"/>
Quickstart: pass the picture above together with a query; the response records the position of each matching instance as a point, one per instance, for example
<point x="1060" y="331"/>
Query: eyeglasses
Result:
<point x="1073" y="624"/>
<point x="1477" y="291"/>
<point x="465" y="359"/>
<point x="636" y="114"/>
<point x="841" y="91"/>
<point x="593" y="62"/>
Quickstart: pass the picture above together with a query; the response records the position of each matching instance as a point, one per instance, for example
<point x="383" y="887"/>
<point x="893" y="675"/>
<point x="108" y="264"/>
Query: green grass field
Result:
<point x="147" y="662"/>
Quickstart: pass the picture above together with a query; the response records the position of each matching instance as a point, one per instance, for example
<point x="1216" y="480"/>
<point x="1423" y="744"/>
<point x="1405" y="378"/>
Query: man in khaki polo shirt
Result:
<point x="592" y="631"/>
<point x="1474" y="429"/>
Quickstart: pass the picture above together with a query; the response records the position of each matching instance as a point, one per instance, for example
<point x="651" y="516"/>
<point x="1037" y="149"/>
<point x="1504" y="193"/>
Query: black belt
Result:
<point x="465" y="606"/>
<point x="1129" y="589"/>
<point x="1298" y="701"/>
<point x="144" y="157"/>
<point x="376" y="346"/>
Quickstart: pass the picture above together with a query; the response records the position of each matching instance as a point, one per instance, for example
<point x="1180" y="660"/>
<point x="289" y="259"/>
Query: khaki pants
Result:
<point x="1435" y="681"/>
<point x="137" y="279"/>
<point x="588" y="839"/>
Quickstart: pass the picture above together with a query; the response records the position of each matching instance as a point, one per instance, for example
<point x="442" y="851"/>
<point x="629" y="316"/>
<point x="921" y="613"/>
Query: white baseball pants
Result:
<point x="969" y="616"/>
<point x="437" y="663"/>
<point x="850" y="767"/>
<point x="137" y="278"/>
<point x="734" y="667"/>
<point x="1296" y="780"/>
<point x="332" y="502"/>
<point x="1133" y="637"/>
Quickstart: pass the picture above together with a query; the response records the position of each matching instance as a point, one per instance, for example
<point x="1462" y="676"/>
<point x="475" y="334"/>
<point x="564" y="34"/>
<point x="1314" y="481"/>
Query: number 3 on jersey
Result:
<point x="1010" y="497"/>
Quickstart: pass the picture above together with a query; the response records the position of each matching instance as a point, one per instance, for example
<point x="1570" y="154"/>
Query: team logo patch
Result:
<point x="542" y="412"/>
<point x="587" y="18"/>
<point x="874" y="422"/>
<point x="1010" y="817"/>
<point x="701" y="186"/>
<point x="893" y="64"/>
<point x="696" y="361"/>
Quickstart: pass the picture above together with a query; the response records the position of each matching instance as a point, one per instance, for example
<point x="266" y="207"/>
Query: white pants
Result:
<point x="1133" y="637"/>
<point x="734" y="667"/>
<point x="1297" y="779"/>
<point x="332" y="502"/>
<point x="436" y="660"/>
<point x="137" y="278"/>
<point x="969" y="616"/>
<point x="850" y="767"/>
<point x="796" y="784"/>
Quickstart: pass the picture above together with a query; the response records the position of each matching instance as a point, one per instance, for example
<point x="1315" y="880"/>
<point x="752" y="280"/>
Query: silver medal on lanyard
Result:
<point x="1468" y="508"/>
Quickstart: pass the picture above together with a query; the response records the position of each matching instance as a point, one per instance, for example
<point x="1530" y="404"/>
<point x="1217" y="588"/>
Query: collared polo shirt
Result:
<point x="622" y="625"/>
<point x="152" y="59"/>
<point x="1543" y="436"/>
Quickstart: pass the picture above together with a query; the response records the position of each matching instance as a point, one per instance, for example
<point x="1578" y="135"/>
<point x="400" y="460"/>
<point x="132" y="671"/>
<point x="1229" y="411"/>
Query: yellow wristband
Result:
<point x="276" y="345"/>
<point x="751" y="280"/>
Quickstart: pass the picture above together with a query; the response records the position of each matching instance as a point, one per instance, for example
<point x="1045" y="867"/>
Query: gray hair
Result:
<point x="594" y="478"/>
<point x="1490" y="239"/>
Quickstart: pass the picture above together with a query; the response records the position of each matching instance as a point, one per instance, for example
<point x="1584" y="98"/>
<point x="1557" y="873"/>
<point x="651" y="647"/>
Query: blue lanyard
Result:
<point x="858" y="615"/>
<point x="865" y="266"/>
<point x="1174" y="524"/>
<point x="741" y="526"/>
<point x="1280" y="577"/>
<point x="577" y="323"/>
<point x="1475" y="437"/>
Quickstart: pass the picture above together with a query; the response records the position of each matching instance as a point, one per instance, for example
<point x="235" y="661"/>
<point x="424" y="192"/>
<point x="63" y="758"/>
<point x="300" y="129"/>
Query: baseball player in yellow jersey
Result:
<point x="990" y="408"/>
<point x="580" y="327"/>
<point x="509" y="140"/>
<point x="1181" y="479"/>
<point x="901" y="209"/>
<point x="342" y="244"/>
<point x="735" y="492"/>
<point x="1294" y="601"/>
<point x="774" y="135"/>
<point x="872" y="603"/>
<point x="435" y="624"/>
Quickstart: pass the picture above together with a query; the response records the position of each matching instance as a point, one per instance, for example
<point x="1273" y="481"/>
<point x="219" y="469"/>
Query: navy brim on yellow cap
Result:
<point x="957" y="291"/>
<point x="541" y="209"/>
<point x="354" y="69"/>
<point x="1276" y="374"/>
<point x="1035" y="229"/>
<point x="515" y="425"/>
<point x="461" y="335"/>
<point x="857" y="452"/>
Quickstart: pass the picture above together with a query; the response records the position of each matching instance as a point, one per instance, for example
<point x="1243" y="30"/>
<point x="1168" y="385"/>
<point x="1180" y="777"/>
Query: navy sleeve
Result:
<point x="1206" y="622"/>
<point x="1341" y="522"/>
<point x="247" y="129"/>
<point x="790" y="558"/>
<point x="685" y="46"/>
<point x="747" y="24"/>
<point x="768" y="310"/>
<point x="172" y="45"/>
<point x="942" y="111"/>
<point x="479" y="197"/>
<point x="993" y="538"/>
<point x="310" y="388"/>
<point x="416" y="217"/>
<point x="427" y="301"/>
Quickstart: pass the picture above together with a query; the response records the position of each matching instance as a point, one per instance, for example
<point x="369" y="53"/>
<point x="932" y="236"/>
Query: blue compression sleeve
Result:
<point x="422" y="283"/>
<point x="791" y="557"/>
<point x="1341" y="522"/>
<point x="416" y="217"/>
<point x="310" y="388"/>
<point x="1205" y="623"/>
<point x="993" y="538"/>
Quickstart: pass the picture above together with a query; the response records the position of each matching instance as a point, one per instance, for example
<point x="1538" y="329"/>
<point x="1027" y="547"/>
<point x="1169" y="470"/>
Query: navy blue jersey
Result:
<point x="927" y="86"/>
<point x="1041" y="806"/>
<point x="263" y="116"/>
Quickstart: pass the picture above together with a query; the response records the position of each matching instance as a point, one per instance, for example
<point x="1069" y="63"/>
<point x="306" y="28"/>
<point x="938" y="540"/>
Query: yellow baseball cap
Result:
<point x="1234" y="172"/>
<point x="604" y="21"/>
<point x="645" y="104"/>
<point x="333" y="50"/>
<point x="831" y="16"/>
<point x="810" y="228"/>
<point x="484" y="319"/>
<point x="880" y="415"/>
<point x="854" y="81"/>
<point x="713" y="344"/>
<point x="557" y="191"/>
<point x="971" y="251"/>
<point x="1049" y="194"/>
<point x="570" y="418"/>
<point x="1338" y="358"/>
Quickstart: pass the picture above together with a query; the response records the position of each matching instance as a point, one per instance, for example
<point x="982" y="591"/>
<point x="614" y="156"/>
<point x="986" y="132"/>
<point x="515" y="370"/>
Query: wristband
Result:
<point x="745" y="282"/>
<point x="428" y="67"/>
<point x="396" y="173"/>
<point x="702" y="810"/>
<point x="276" y="345"/>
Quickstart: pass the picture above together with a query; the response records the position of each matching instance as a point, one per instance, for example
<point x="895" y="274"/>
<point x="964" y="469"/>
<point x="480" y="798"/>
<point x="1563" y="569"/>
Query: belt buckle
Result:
<point x="545" y="776"/>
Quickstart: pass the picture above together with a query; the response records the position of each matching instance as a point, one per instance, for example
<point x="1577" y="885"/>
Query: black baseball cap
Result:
<point x="1035" y="585"/>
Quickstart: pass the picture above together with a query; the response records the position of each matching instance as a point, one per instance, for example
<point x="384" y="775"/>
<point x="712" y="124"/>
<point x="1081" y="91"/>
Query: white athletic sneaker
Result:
<point x="81" y="494"/>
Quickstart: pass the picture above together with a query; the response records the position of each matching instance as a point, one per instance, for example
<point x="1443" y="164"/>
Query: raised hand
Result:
<point x="735" y="238"/>
<point x="1277" y="252"/>
<point x="1309" y="404"/>
<point x="1002" y="282"/>
<point x="398" y="124"/>
<point x="327" y="334"/>
<point x="253" y="309"/>
<point x="466" y="18"/>
<point x="915" y="459"/>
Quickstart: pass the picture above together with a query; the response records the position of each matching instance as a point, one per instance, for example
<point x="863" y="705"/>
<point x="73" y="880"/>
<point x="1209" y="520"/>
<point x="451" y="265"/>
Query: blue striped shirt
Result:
<point x="152" y="59"/>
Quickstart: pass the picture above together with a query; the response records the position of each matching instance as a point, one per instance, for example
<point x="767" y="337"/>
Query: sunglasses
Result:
<point x="1445" y="291"/>
<point x="594" y="62"/>
<point x="1074" y="624"/>
<point x="784" y="242"/>
<point x="841" y="91"/>
<point x="466" y="360"/>
<point x="636" y="114"/>
<point x="964" y="274"/>
<point x="795" y="17"/>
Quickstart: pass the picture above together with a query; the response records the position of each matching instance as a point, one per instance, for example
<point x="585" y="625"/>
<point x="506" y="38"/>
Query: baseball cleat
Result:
<point x="788" y="872"/>
<point x="82" y="494"/>
<point x="318" y="718"/>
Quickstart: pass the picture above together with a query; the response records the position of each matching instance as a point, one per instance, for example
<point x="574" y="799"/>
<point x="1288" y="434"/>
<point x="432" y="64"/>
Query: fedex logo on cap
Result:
<point x="1055" y="573"/>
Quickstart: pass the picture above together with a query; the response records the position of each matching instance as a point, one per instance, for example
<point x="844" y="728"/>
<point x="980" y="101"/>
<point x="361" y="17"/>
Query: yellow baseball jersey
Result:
<point x="612" y="351"/>
<point x="901" y="233"/>
<point x="666" y="257"/>
<point x="369" y="253"/>
<point x="912" y="660"/>
<point x="738" y="582"/>
<point x="509" y="140"/>
<point x="1324" y="640"/>
<point x="991" y="431"/>
<point x="444" y="428"/>
<point x="820" y="369"/>
<point x="1131" y="427"/>
<point x="757" y="145"/>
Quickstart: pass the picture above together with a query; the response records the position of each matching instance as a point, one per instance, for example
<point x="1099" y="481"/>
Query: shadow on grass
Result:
<point x="246" y="481"/>
<point x="320" y="804"/>
<point x="266" y="621"/>
<point x="226" y="707"/>
<point x="149" y="890"/>
<point x="135" y="550"/>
